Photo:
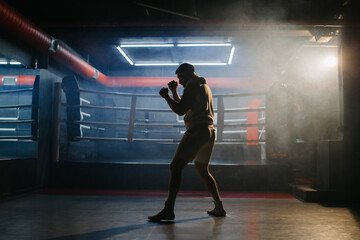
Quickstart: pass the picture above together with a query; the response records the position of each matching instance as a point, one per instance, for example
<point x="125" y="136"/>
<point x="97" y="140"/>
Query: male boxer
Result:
<point x="198" y="141"/>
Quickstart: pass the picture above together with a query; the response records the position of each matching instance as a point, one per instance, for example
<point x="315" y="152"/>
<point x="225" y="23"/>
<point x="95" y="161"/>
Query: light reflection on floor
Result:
<point x="39" y="216"/>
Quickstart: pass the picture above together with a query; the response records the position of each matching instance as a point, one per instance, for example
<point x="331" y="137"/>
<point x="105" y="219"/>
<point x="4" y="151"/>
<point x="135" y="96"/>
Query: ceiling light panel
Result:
<point x="231" y="55"/>
<point x="208" y="63"/>
<point x="172" y="54"/>
<point x="156" y="64"/>
<point x="125" y="55"/>
<point x="204" y="45"/>
<point x="146" y="45"/>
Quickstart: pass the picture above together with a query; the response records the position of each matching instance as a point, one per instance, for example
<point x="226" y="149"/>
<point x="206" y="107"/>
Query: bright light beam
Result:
<point x="209" y="64"/>
<point x="204" y="45"/>
<point x="146" y="45"/>
<point x="156" y="64"/>
<point x="176" y="64"/>
<point x="231" y="55"/>
<point x="330" y="61"/>
<point x="125" y="56"/>
<point x="178" y="45"/>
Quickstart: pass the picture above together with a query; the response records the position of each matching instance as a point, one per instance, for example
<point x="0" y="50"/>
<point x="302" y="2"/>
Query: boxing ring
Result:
<point x="84" y="115"/>
<point x="145" y="118"/>
<point x="7" y="123"/>
<point x="133" y="109"/>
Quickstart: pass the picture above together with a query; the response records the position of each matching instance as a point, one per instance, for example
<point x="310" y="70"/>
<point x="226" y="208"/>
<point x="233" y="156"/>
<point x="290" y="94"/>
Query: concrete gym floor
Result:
<point x="124" y="216"/>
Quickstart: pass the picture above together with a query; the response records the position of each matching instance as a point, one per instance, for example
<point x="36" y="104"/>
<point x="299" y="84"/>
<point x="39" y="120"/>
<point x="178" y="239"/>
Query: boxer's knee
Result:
<point x="177" y="164"/>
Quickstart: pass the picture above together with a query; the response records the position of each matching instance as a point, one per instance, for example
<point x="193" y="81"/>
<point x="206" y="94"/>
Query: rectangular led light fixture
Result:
<point x="176" y="64"/>
<point x="12" y="62"/>
<point x="124" y="55"/>
<point x="204" y="45"/>
<point x="149" y="45"/>
<point x="156" y="64"/>
<point x="146" y="45"/>
<point x="231" y="55"/>
<point x="209" y="64"/>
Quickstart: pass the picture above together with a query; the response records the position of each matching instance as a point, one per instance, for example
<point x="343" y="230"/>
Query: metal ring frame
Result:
<point x="132" y="124"/>
<point x="17" y="121"/>
<point x="133" y="109"/>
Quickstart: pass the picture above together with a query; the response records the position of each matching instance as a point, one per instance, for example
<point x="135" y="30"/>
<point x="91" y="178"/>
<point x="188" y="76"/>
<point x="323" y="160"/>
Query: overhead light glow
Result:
<point x="176" y="64"/>
<point x="14" y="62"/>
<point x="209" y="64"/>
<point x="125" y="56"/>
<point x="231" y="55"/>
<point x="156" y="64"/>
<point x="176" y="45"/>
<point x="146" y="45"/>
<point x="330" y="61"/>
<point x="204" y="45"/>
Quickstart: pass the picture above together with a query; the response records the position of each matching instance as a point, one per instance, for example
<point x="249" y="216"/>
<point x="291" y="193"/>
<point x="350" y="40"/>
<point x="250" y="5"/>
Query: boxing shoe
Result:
<point x="218" y="211"/>
<point x="167" y="214"/>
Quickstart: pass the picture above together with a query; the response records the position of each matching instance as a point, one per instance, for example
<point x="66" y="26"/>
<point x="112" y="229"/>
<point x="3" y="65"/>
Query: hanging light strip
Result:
<point x="156" y="64"/>
<point x="231" y="55"/>
<point x="12" y="62"/>
<point x="146" y="45"/>
<point x="177" y="45"/>
<point x="124" y="55"/>
<point x="209" y="64"/>
<point x="204" y="45"/>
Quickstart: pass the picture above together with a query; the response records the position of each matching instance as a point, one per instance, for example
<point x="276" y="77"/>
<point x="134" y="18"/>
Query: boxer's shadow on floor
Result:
<point x="121" y="230"/>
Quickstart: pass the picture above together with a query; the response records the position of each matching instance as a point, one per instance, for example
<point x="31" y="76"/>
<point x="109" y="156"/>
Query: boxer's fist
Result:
<point x="164" y="92"/>
<point x="173" y="85"/>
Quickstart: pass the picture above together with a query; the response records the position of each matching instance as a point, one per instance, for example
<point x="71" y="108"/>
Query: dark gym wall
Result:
<point x="351" y="95"/>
